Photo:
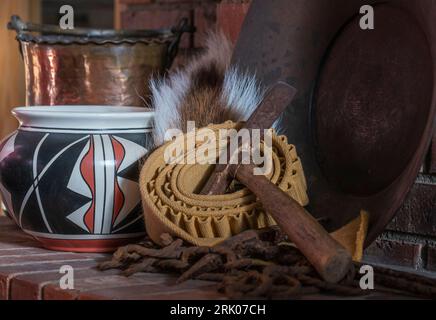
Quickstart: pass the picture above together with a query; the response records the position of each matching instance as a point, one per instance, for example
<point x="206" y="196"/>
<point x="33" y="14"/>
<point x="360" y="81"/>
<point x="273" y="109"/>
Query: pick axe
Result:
<point x="331" y="260"/>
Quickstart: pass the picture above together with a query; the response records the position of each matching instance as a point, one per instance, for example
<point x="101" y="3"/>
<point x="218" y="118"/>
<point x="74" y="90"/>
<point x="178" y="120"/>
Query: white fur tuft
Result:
<point x="167" y="95"/>
<point x="240" y="91"/>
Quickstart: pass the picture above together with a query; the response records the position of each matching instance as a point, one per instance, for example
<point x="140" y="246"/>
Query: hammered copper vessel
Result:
<point x="93" y="67"/>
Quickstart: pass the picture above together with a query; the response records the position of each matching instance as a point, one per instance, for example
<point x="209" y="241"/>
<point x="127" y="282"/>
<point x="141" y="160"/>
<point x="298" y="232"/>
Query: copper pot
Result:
<point x="90" y="66"/>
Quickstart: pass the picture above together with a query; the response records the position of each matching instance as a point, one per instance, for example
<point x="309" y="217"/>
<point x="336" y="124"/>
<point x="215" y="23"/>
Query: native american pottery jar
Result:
<point x="90" y="66"/>
<point x="69" y="175"/>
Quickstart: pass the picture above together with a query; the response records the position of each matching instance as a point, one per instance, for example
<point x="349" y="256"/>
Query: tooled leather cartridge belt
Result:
<point x="172" y="204"/>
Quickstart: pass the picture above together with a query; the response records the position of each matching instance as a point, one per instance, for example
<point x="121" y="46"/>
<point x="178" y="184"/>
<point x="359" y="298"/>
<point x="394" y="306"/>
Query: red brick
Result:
<point x="135" y="1"/>
<point x="29" y="272"/>
<point x="7" y="224"/>
<point x="22" y="251"/>
<point x="231" y="15"/>
<point x="394" y="252"/>
<point x="432" y="167"/>
<point x="29" y="286"/>
<point x="431" y="258"/>
<point x="12" y="237"/>
<point x="186" y="2"/>
<point x="18" y="245"/>
<point x="205" y="19"/>
<point x="15" y="259"/>
<point x="137" y="287"/>
<point x="183" y="57"/>
<point x="150" y="293"/>
<point x="168" y="13"/>
<point x="15" y="236"/>
<point x="104" y="283"/>
<point x="8" y="273"/>
<point x="155" y="18"/>
<point x="418" y="213"/>
<point x="166" y="290"/>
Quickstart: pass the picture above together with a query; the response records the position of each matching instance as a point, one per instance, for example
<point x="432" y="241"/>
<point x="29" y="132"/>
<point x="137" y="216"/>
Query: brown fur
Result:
<point x="203" y="103"/>
<point x="206" y="91"/>
<point x="204" y="106"/>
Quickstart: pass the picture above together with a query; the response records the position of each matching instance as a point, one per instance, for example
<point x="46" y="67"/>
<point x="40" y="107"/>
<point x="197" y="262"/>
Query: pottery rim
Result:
<point x="84" y="117"/>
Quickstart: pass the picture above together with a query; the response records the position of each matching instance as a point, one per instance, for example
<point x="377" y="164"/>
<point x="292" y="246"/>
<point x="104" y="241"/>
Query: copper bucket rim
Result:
<point x="52" y="34"/>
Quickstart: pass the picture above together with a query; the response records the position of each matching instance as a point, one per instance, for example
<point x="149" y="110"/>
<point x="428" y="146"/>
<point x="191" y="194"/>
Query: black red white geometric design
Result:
<point x="79" y="186"/>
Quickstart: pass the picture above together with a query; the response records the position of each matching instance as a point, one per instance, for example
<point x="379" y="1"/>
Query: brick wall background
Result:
<point x="94" y="14"/>
<point x="204" y="15"/>
<point x="410" y="239"/>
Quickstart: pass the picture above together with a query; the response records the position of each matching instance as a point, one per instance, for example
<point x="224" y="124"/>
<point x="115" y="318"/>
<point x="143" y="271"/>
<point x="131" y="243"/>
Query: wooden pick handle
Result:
<point x="272" y="106"/>
<point x="328" y="257"/>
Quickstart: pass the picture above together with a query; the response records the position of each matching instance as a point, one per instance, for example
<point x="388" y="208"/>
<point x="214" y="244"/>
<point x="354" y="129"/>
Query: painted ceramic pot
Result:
<point x="69" y="175"/>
